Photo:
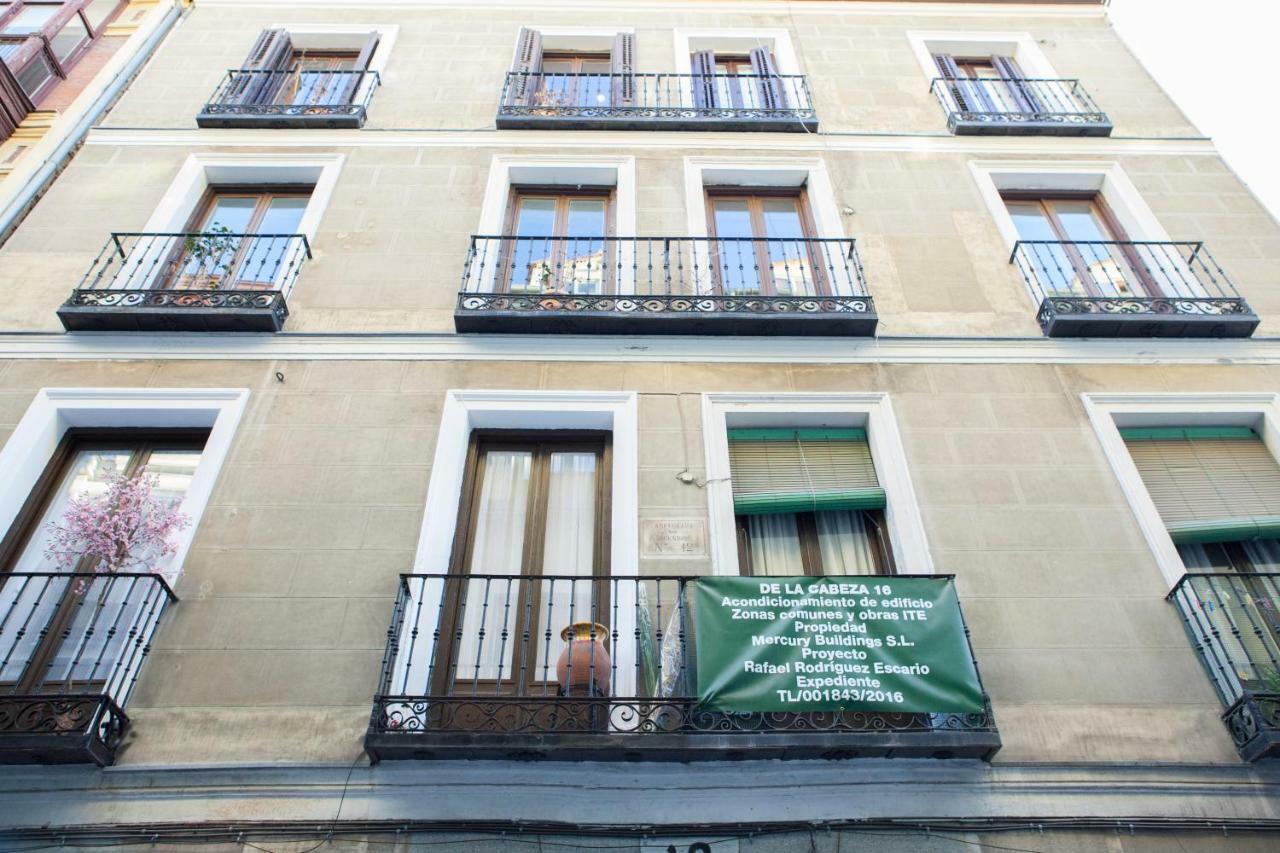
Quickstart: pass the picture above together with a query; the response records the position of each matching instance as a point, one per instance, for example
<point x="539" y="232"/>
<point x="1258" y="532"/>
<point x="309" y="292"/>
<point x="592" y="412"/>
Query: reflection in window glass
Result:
<point x="99" y="11"/>
<point x="31" y="19"/>
<point x="35" y="75"/>
<point x="69" y="38"/>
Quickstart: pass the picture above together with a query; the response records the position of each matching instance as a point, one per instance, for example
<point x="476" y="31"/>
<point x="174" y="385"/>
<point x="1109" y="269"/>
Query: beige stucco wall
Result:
<point x="273" y="652"/>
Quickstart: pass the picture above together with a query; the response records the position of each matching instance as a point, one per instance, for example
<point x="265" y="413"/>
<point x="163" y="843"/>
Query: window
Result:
<point x="220" y="250"/>
<point x="551" y="70"/>
<point x="763" y="242"/>
<point x="742" y="81"/>
<point x="999" y="85"/>
<point x="1217" y="490"/>
<point x="68" y="41"/>
<point x="31" y="18"/>
<point x="534" y="504"/>
<point x="556" y="241"/>
<point x="1078" y="246"/>
<point x="807" y="502"/>
<point x="68" y="643"/>
<point x="278" y="71"/>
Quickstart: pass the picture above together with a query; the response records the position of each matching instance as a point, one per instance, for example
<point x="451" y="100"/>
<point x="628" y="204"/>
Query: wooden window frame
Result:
<point x="755" y="206"/>
<point x="61" y="67"/>
<point x="141" y="443"/>
<point x="564" y="195"/>
<point x="542" y="443"/>
<point x="1109" y="221"/>
<point x="811" y="552"/>
<point x="196" y="223"/>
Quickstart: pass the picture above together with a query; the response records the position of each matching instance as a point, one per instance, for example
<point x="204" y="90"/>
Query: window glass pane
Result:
<point x="774" y="541"/>
<point x="790" y="261"/>
<point x="498" y="549"/>
<point x="232" y="213"/>
<point x="31" y="19"/>
<point x="1080" y="220"/>
<point x="35" y="75"/>
<point x="265" y="259"/>
<point x="585" y="261"/>
<point x="844" y="543"/>
<point x="70" y="37"/>
<point x="531" y="263"/>
<point x="1029" y="218"/>
<point x="98" y="11"/>
<point x="569" y="548"/>
<point x="736" y="264"/>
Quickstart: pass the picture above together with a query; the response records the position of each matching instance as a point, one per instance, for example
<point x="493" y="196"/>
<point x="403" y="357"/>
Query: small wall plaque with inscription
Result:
<point x="673" y="537"/>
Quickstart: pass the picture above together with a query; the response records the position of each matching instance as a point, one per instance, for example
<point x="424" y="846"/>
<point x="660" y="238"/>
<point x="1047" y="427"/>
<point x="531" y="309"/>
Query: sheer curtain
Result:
<point x="568" y="549"/>
<point x="497" y="550"/>
<point x="775" y="544"/>
<point x="844" y="543"/>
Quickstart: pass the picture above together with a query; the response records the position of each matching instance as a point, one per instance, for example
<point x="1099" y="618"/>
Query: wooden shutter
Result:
<point x="14" y="103"/>
<point x="967" y="95"/>
<point x="1021" y="93"/>
<point x="773" y="95"/>
<point x="1210" y="484"/>
<point x="271" y="52"/>
<point x="802" y="470"/>
<point x="622" y="66"/>
<point x="528" y="61"/>
<point x="704" y="79"/>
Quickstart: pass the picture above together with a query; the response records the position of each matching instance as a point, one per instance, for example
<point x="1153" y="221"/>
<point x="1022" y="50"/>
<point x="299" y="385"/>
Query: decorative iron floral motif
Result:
<point x="1211" y="306"/>
<point x="258" y="300"/>
<point x="664" y="304"/>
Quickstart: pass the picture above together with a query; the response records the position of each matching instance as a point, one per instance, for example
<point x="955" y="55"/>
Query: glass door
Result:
<point x="558" y="243"/>
<point x="1087" y="253"/>
<point x="73" y="631"/>
<point x="762" y="245"/>
<point x="575" y="80"/>
<point x="534" y="516"/>
<point x="319" y="78"/>
<point x="240" y="241"/>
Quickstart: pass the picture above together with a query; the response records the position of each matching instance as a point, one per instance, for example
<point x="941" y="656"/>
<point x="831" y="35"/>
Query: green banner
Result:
<point x="876" y="643"/>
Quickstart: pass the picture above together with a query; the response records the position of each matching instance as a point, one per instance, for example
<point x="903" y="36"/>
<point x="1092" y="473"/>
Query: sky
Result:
<point x="1216" y="58"/>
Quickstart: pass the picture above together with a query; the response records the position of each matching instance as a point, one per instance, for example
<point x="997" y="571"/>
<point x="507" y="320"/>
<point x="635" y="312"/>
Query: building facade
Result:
<point x="477" y="342"/>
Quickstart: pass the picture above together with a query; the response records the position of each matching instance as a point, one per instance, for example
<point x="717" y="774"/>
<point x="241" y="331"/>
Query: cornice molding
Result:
<point x="451" y="347"/>
<point x="584" y="140"/>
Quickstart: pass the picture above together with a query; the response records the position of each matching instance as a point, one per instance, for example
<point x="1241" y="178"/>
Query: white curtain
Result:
<point x="497" y="550"/>
<point x="844" y="543"/>
<point x="568" y="549"/>
<point x="775" y="544"/>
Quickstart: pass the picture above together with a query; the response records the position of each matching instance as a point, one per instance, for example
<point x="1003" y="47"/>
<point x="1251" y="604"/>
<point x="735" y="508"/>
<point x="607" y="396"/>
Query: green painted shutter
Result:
<point x="802" y="470"/>
<point x="1210" y="484"/>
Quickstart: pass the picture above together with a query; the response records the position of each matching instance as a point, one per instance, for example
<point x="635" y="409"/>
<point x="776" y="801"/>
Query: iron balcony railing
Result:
<point x="488" y="655"/>
<point x="1129" y="279"/>
<point x="191" y="272"/>
<point x="664" y="277"/>
<point x="1009" y="104"/>
<point x="636" y="101"/>
<point x="290" y="97"/>
<point x="71" y="648"/>
<point x="1233" y="621"/>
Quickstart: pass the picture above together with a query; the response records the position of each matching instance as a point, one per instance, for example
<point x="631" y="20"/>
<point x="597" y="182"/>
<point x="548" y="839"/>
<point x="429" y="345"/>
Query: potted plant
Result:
<point x="213" y="252"/>
<point x="124" y="528"/>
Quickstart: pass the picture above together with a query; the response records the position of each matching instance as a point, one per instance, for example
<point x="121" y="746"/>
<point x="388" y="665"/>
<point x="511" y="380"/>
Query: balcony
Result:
<point x="1007" y="106"/>
<point x="478" y="666"/>
<point x="71" y="648"/>
<point x="730" y="102"/>
<point x="1127" y="289"/>
<point x="1233" y="621"/>
<point x="210" y="281"/>
<point x="664" y="286"/>
<point x="311" y="98"/>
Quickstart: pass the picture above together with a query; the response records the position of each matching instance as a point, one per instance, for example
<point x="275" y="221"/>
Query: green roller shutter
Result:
<point x="1210" y="484"/>
<point x="802" y="470"/>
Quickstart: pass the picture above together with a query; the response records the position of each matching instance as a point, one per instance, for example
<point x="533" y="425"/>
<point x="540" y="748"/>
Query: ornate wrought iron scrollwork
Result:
<point x="664" y="304"/>
<point x="509" y="715"/>
<point x="1028" y="117"/>
<point x="283" y="110"/>
<point x="1252" y="716"/>
<point x="585" y="112"/>
<point x="1209" y="306"/>
<point x="256" y="300"/>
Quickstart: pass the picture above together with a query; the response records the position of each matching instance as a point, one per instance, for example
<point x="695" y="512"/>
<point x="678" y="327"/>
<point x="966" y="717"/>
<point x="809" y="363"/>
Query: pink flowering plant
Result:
<point x="123" y="529"/>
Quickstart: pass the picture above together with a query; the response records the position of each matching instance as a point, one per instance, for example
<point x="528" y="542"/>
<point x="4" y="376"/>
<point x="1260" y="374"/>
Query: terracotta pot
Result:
<point x="584" y="666"/>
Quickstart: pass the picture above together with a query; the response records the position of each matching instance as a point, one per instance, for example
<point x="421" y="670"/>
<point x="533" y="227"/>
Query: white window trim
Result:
<point x="466" y="410"/>
<point x="872" y="411"/>
<point x="200" y="170"/>
<point x="55" y="410"/>
<point x="812" y="172"/>
<point x="1110" y="412"/>
<point x="1021" y="47"/>
<point x="784" y="52"/>
<point x="387" y="34"/>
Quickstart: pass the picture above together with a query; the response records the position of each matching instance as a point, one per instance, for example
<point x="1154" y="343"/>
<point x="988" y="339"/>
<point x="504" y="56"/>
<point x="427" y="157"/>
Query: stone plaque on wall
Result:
<point x="673" y="537"/>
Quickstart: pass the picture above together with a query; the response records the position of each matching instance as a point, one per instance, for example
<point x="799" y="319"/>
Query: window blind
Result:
<point x="802" y="470"/>
<point x="1210" y="484"/>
